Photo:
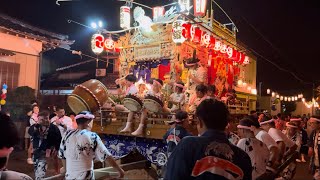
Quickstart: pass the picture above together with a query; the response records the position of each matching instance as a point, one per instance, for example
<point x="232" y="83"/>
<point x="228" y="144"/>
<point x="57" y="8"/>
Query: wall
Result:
<point x="301" y="109"/>
<point x="26" y="54"/>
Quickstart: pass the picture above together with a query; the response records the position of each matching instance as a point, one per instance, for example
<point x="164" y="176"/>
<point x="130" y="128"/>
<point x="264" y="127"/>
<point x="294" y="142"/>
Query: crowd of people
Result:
<point x="261" y="147"/>
<point x="53" y="136"/>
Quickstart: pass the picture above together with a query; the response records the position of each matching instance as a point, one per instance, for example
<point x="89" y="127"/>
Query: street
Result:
<point x="18" y="163"/>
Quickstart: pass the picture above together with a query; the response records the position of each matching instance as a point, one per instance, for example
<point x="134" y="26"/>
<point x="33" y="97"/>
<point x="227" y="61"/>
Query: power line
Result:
<point x="277" y="50"/>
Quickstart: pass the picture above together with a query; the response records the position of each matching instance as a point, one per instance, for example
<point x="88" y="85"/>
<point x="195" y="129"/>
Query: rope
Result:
<point x="99" y="170"/>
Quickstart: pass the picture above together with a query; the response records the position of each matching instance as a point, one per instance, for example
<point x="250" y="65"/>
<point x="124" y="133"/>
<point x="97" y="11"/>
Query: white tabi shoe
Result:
<point x="139" y="131"/>
<point x="128" y="128"/>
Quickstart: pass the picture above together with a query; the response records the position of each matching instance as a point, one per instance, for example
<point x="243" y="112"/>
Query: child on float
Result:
<point x="201" y="94"/>
<point x="177" y="131"/>
<point x="156" y="92"/>
<point x="131" y="90"/>
<point x="177" y="98"/>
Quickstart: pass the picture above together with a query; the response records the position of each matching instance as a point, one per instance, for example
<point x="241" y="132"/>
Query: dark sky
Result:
<point x="285" y="32"/>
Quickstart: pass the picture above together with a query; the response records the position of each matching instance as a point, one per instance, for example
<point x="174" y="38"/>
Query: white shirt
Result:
<point x="159" y="95"/>
<point x="80" y="148"/>
<point x="278" y="136"/>
<point x="132" y="90"/>
<point x="177" y="98"/>
<point x="266" y="139"/>
<point x="258" y="153"/>
<point x="65" y="120"/>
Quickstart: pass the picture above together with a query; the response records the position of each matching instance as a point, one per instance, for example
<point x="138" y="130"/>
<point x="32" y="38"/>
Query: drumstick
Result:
<point x="111" y="100"/>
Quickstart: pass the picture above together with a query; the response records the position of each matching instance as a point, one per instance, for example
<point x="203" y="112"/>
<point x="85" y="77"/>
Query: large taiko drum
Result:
<point x="153" y="103"/>
<point x="133" y="103"/>
<point x="88" y="96"/>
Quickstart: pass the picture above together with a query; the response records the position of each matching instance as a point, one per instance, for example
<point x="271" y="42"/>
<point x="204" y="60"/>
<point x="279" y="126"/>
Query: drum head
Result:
<point x="76" y="104"/>
<point x="152" y="105"/>
<point x="131" y="104"/>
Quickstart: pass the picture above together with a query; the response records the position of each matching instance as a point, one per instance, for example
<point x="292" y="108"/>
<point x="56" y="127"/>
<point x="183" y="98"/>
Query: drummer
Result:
<point x="156" y="92"/>
<point x="131" y="90"/>
<point x="178" y="97"/>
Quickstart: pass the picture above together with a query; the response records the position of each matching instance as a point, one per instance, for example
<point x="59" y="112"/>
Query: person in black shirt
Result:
<point x="46" y="141"/>
<point x="177" y="132"/>
<point x="211" y="155"/>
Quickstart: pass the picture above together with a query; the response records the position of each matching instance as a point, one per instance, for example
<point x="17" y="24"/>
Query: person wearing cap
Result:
<point x="303" y="136"/>
<point x="201" y="94"/>
<point x="177" y="98"/>
<point x="9" y="138"/>
<point x="80" y="147"/>
<point x="281" y="139"/>
<point x="263" y="136"/>
<point x="314" y="146"/>
<point x="177" y="132"/>
<point x="256" y="149"/>
<point x="210" y="155"/>
<point x="46" y="138"/>
<point x="197" y="75"/>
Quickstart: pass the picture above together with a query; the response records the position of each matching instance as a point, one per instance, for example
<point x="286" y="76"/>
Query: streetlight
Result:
<point x="95" y="25"/>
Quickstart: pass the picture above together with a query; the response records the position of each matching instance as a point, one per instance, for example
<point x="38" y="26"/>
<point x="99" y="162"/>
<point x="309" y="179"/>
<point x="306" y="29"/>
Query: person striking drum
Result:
<point x="155" y="91"/>
<point x="177" y="98"/>
<point x="131" y="90"/>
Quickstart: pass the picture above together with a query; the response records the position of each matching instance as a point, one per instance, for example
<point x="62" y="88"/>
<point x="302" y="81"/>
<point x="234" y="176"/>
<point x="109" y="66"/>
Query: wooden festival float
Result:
<point x="157" y="48"/>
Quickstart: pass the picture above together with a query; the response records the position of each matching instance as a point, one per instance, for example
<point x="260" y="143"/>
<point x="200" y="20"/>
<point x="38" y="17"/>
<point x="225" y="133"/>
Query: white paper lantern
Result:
<point x="97" y="43"/>
<point x="125" y="17"/>
<point x="177" y="28"/>
<point x="184" y="6"/>
<point x="157" y="12"/>
<point x="268" y="91"/>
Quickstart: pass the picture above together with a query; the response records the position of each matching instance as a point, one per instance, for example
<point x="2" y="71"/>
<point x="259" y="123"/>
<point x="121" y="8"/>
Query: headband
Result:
<point x="191" y="64"/>
<point x="243" y="127"/>
<point x="179" y="85"/>
<point x="291" y="126"/>
<point x="157" y="82"/>
<point x="314" y="119"/>
<point x="87" y="116"/>
<point x="4" y="152"/>
<point x="296" y="119"/>
<point x="266" y="122"/>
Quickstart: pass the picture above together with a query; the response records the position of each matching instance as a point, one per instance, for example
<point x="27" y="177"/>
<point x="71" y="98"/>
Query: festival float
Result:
<point x="158" y="47"/>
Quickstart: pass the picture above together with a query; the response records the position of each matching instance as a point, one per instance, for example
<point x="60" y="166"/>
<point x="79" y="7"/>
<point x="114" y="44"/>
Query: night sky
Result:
<point x="282" y="31"/>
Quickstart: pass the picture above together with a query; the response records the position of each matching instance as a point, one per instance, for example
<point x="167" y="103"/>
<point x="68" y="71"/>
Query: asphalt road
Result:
<point x="17" y="162"/>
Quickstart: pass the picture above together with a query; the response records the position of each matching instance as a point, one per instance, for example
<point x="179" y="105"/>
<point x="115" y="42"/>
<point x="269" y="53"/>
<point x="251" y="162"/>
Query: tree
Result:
<point x="18" y="101"/>
<point x="289" y="107"/>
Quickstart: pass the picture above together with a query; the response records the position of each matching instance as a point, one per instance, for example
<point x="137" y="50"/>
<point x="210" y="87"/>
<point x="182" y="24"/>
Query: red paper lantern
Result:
<point x="3" y="96"/>
<point x="199" y="7"/>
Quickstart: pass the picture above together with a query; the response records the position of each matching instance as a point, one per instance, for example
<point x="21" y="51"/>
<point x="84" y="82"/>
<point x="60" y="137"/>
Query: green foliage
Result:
<point x="18" y="101"/>
<point x="289" y="107"/>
